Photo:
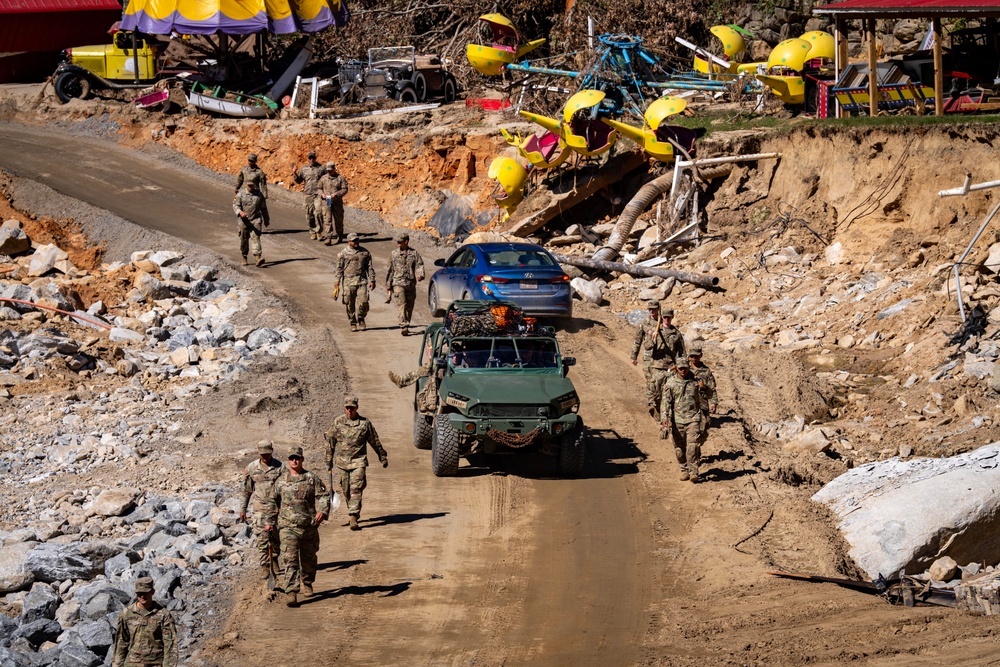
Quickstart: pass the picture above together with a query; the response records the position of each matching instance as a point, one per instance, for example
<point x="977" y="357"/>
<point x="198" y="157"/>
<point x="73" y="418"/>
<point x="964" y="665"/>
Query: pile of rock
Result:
<point x="63" y="594"/>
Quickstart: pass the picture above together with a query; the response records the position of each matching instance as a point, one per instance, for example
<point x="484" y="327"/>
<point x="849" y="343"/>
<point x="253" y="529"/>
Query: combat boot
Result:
<point x="291" y="599"/>
<point x="354" y="327"/>
<point x="245" y="260"/>
<point x="361" y="325"/>
<point x="396" y="380"/>
<point x="329" y="241"/>
<point x="260" y="260"/>
<point x="307" y="590"/>
<point x="354" y="523"/>
<point x="313" y="236"/>
<point x="404" y="330"/>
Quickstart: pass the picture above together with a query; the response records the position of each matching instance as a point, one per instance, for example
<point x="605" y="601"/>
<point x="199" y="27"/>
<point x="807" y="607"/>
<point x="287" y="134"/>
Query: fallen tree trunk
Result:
<point x="700" y="279"/>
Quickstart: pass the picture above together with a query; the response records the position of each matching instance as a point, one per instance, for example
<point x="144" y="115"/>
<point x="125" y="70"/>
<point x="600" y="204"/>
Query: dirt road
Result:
<point x="510" y="564"/>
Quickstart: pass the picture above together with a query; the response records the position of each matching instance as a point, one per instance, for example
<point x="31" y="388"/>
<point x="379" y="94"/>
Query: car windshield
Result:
<point x="503" y="353"/>
<point x="386" y="53"/>
<point x="514" y="258"/>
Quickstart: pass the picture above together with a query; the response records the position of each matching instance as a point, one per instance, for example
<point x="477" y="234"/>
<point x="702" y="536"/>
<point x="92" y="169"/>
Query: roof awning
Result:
<point x="910" y="8"/>
<point x="233" y="17"/>
<point x="47" y="6"/>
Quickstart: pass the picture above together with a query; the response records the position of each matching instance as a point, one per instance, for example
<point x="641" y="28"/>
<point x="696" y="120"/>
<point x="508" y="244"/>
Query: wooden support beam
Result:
<point x="938" y="67"/>
<point x="841" y="55"/>
<point x="872" y="69"/>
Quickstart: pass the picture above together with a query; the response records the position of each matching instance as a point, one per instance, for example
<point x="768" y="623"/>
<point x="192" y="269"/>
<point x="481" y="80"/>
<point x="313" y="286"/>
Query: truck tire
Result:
<point x="420" y="87"/>
<point x="406" y="95"/>
<point x="70" y="85"/>
<point x="423" y="431"/>
<point x="445" y="446"/>
<point x="449" y="91"/>
<point x="573" y="451"/>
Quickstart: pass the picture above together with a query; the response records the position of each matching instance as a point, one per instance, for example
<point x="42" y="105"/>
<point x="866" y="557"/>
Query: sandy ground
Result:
<point x="508" y="564"/>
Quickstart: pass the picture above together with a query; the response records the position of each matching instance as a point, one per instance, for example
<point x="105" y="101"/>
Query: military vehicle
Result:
<point x="494" y="381"/>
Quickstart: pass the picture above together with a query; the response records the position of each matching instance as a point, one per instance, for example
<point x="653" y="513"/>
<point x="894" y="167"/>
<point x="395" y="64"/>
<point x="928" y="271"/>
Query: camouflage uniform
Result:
<point x="411" y="377"/>
<point x="293" y="505"/>
<point x="310" y="175"/>
<point x="252" y="173"/>
<point x="709" y="395"/>
<point x="347" y="448"/>
<point x="355" y="273"/>
<point x="661" y="345"/>
<point x="258" y="480"/>
<point x="145" y="637"/>
<point x="332" y="188"/>
<point x="681" y="412"/>
<point x="406" y="267"/>
<point x="251" y="227"/>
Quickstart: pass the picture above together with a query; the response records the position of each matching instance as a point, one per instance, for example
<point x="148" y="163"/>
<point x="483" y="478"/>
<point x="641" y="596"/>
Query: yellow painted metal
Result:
<point x="488" y="60"/>
<point x="528" y="47"/>
<point x="550" y="124"/>
<point x="791" y="53"/>
<point x="581" y="100"/>
<point x="733" y="43"/>
<point x="111" y="62"/>
<point x="749" y="68"/>
<point x="789" y="89"/>
<point x="662" y="108"/>
<point x="510" y="177"/>
<point x="823" y="44"/>
<point x="499" y="19"/>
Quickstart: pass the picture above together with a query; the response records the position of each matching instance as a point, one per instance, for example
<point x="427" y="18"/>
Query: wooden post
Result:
<point x="840" y="63"/>
<point x="872" y="69"/>
<point x="938" y="68"/>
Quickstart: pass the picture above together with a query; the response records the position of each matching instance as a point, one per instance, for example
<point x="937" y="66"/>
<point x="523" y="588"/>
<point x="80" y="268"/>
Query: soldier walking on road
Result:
<point x="310" y="174"/>
<point x="356" y="272"/>
<point x="347" y="449"/>
<point x="332" y="188"/>
<point x="681" y="417"/>
<point x="251" y="172"/>
<point x="145" y="636"/>
<point x="258" y="480"/>
<point x="661" y="344"/>
<point x="298" y="504"/>
<point x="706" y="385"/>
<point x="251" y="209"/>
<point x="406" y="269"/>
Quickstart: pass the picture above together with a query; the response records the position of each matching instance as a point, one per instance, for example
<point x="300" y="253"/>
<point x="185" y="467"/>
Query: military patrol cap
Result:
<point x="352" y="237"/>
<point x="331" y="165"/>
<point x="296" y="451"/>
<point x="265" y="447"/>
<point x="144" y="585"/>
<point x="312" y="155"/>
<point x="668" y="312"/>
<point x="683" y="363"/>
<point x="653" y="304"/>
<point x="350" y="400"/>
<point x="402" y="236"/>
<point x="252" y="157"/>
<point x="695" y="349"/>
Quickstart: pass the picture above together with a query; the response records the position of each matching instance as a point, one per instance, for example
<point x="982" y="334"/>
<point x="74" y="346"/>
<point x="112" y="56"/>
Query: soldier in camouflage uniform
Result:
<point x="298" y="504"/>
<point x="249" y="206"/>
<point x="661" y="344"/>
<point x="355" y="270"/>
<point x="145" y="634"/>
<point x="706" y="383"/>
<point x="406" y="269"/>
<point x="310" y="174"/>
<point x="332" y="188"/>
<point x="258" y="479"/>
<point x="681" y="417"/>
<point x="347" y="448"/>
<point x="251" y="172"/>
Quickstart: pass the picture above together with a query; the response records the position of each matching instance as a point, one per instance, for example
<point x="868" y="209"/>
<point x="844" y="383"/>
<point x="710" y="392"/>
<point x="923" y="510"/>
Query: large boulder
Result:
<point x="13" y="241"/>
<point x="45" y="259"/>
<point x="36" y="632"/>
<point x="58" y="562"/>
<point x="97" y="636"/>
<point x="114" y="502"/>
<point x="902" y="515"/>
<point x="75" y="653"/>
<point x="14" y="571"/>
<point x="41" y="602"/>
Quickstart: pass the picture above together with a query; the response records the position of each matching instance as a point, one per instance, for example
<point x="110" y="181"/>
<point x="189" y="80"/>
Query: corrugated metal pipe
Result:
<point x="642" y="200"/>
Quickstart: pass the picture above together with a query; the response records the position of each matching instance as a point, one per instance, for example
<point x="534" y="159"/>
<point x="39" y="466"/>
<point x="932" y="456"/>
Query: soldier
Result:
<point x="332" y="188"/>
<point x="258" y="478"/>
<point x="406" y="269"/>
<point x="298" y="504"/>
<point x="251" y="172"/>
<point x="145" y="634"/>
<point x="252" y="211"/>
<point x="706" y="384"/>
<point x="310" y="174"/>
<point x="680" y="416"/>
<point x="354" y="268"/>
<point x="661" y="344"/>
<point x="347" y="448"/>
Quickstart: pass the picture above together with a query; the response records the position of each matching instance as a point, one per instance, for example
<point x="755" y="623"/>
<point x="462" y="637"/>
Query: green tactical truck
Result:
<point x="495" y="382"/>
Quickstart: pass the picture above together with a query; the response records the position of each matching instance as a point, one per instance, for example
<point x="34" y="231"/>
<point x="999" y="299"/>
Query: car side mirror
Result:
<point x="569" y="361"/>
<point x="439" y="262"/>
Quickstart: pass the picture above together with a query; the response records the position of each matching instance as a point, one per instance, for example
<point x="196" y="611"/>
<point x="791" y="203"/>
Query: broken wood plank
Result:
<point x="700" y="279"/>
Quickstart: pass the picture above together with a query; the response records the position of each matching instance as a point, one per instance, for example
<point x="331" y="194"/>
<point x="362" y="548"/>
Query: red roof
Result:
<point x="46" y="6"/>
<point x="910" y="7"/>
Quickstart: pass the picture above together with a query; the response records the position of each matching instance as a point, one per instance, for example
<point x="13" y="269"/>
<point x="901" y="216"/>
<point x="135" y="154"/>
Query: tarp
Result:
<point x="233" y="17"/>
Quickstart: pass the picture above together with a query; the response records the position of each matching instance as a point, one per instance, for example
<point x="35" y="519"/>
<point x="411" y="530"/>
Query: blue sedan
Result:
<point x="520" y="272"/>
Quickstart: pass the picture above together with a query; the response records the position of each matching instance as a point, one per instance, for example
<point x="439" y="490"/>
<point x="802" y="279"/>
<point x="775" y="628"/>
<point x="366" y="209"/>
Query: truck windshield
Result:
<point x="503" y="353"/>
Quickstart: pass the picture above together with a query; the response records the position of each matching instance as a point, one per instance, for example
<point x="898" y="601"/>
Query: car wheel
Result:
<point x="433" y="303"/>
<point x="70" y="85"/>
<point x="420" y="87"/>
<point x="449" y="91"/>
<point x="573" y="451"/>
<point x="423" y="430"/>
<point x="406" y="95"/>
<point x="445" y="446"/>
